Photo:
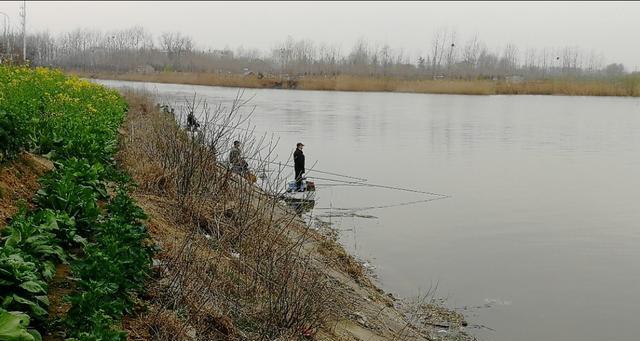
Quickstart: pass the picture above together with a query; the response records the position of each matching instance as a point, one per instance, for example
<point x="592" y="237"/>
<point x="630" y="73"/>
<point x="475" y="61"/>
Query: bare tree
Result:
<point x="175" y="44"/>
<point x="438" y="43"/>
<point x="359" y="58"/>
<point x="509" y="59"/>
<point x="132" y="49"/>
<point x="470" y="54"/>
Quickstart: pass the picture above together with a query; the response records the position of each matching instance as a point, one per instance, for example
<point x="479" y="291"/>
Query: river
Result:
<point x="540" y="237"/>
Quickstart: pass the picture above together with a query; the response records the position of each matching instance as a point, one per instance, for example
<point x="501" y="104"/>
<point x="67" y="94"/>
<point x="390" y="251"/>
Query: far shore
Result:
<point x="626" y="86"/>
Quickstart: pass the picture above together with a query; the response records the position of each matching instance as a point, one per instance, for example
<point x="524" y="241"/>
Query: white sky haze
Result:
<point x="610" y="28"/>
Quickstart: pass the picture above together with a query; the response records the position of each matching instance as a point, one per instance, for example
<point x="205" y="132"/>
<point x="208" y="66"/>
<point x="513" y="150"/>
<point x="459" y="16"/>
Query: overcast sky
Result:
<point x="611" y="28"/>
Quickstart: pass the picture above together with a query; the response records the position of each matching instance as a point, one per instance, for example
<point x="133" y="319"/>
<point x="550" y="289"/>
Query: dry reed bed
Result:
<point x="624" y="86"/>
<point x="234" y="264"/>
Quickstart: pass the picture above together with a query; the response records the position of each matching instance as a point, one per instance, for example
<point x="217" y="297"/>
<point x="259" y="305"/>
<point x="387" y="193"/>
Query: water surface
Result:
<point x="542" y="229"/>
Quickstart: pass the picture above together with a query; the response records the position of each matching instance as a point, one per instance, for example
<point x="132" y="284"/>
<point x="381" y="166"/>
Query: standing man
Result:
<point x="298" y="162"/>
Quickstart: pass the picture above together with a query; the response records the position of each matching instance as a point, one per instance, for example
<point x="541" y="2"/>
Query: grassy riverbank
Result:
<point x="620" y="86"/>
<point x="126" y="226"/>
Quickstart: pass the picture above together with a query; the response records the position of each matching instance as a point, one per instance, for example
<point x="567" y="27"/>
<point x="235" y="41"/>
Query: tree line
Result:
<point x="446" y="55"/>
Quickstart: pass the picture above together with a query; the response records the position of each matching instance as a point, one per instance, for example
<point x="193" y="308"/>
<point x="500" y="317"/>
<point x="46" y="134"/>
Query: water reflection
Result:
<point x="301" y="206"/>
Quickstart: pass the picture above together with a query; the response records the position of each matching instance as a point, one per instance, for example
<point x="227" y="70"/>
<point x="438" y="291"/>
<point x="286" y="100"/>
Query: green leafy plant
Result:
<point x="74" y="123"/>
<point x="36" y="240"/>
<point x="100" y="328"/>
<point x="62" y="225"/>
<point x="63" y="190"/>
<point x="114" y="268"/>
<point x="21" y="284"/>
<point x="14" y="327"/>
<point x="14" y="134"/>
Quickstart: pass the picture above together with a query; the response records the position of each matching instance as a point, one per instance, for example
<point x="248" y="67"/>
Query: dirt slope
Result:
<point x="19" y="181"/>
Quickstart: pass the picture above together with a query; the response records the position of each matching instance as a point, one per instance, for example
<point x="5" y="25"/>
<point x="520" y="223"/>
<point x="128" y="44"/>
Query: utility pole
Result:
<point x="23" y="15"/>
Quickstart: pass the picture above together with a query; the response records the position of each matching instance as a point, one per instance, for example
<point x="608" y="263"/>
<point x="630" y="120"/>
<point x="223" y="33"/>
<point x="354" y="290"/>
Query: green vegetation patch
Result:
<point x="45" y="111"/>
<point x="107" y="246"/>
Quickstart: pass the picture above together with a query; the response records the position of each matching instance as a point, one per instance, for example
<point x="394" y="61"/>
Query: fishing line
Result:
<point x="366" y="208"/>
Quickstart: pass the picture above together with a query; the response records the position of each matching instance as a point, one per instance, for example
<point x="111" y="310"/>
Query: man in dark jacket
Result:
<point x="298" y="162"/>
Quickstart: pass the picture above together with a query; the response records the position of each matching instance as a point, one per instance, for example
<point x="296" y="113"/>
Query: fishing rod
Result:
<point x="338" y="185"/>
<point x="312" y="170"/>
<point x="336" y="174"/>
<point x="339" y="182"/>
<point x="368" y="184"/>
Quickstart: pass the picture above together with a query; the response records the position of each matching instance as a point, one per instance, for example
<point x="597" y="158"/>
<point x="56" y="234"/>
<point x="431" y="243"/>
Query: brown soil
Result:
<point x="19" y="182"/>
<point x="59" y="287"/>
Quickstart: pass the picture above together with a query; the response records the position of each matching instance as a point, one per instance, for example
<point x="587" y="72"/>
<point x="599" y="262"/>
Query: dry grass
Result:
<point x="340" y="259"/>
<point x="231" y="265"/>
<point x="355" y="83"/>
<point x="623" y="86"/>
